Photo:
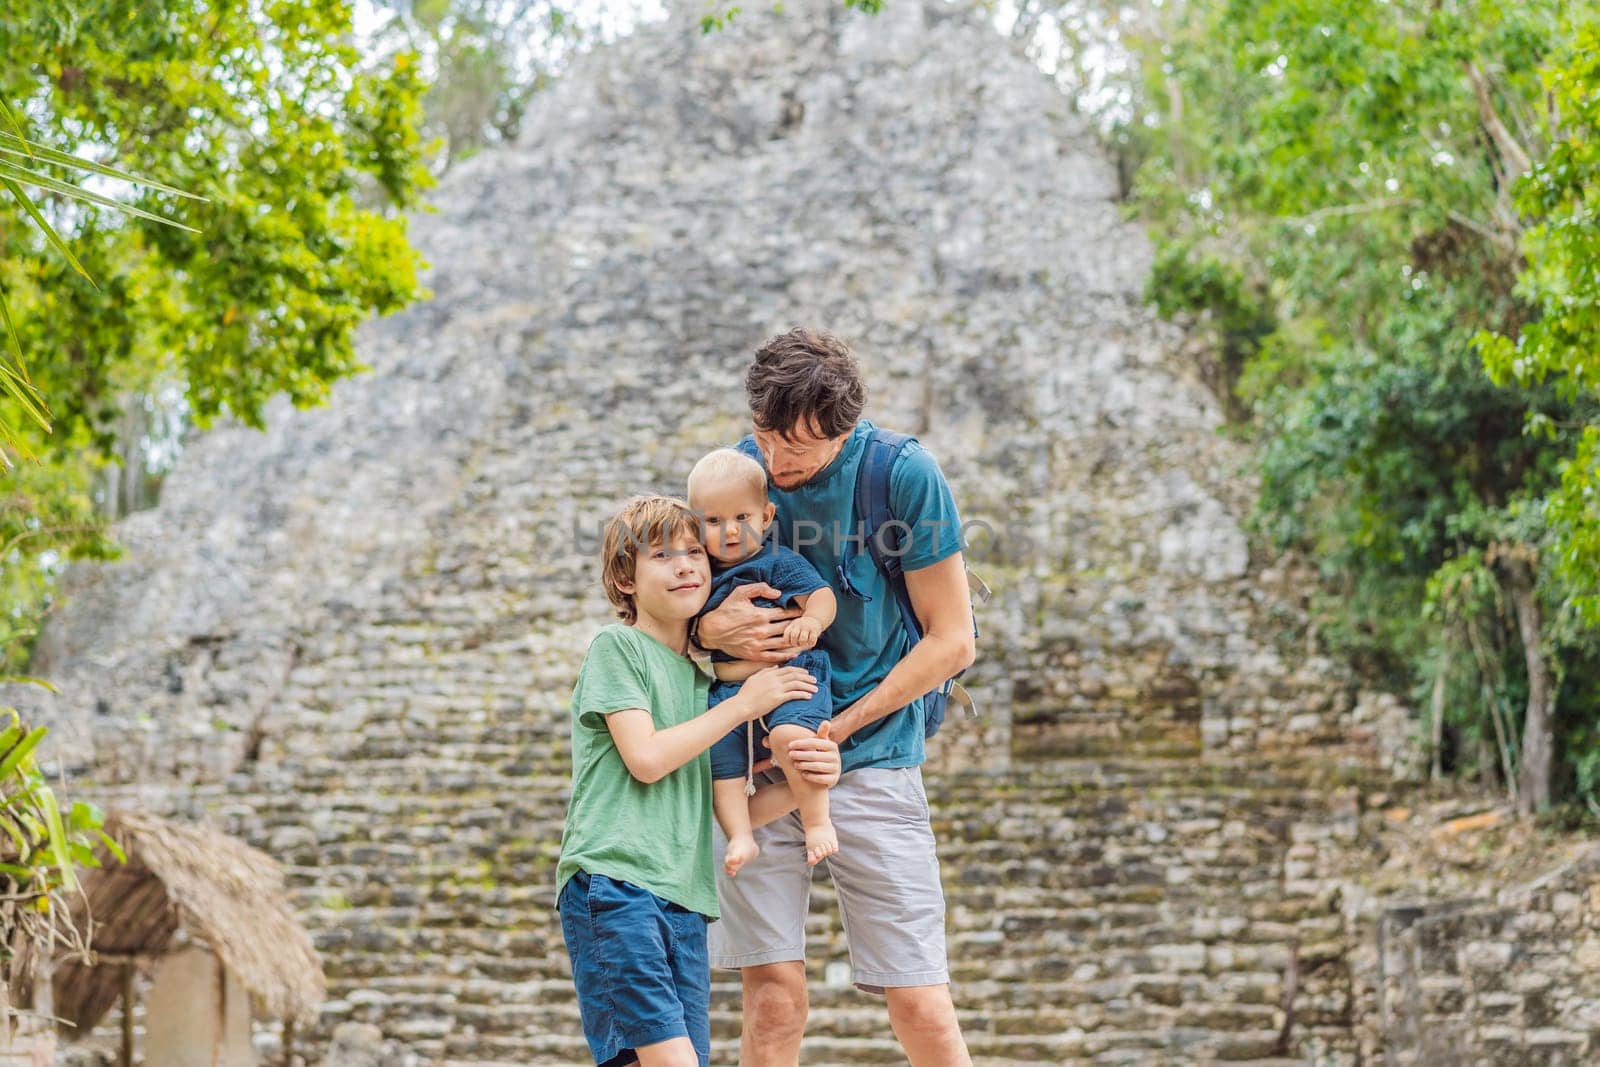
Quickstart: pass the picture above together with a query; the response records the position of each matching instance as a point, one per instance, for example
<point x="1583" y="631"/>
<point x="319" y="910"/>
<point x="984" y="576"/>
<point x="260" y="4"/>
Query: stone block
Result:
<point x="1551" y="1037"/>
<point x="1487" y="955"/>
<point x="1188" y="957"/>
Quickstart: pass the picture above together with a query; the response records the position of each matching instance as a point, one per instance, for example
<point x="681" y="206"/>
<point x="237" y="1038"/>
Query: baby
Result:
<point x="728" y="492"/>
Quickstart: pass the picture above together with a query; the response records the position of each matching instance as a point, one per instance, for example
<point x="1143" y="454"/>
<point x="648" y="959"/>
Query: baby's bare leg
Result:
<point x="732" y="808"/>
<point x="821" y="841"/>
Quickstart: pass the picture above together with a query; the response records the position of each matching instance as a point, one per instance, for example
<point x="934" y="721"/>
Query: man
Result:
<point x="806" y="398"/>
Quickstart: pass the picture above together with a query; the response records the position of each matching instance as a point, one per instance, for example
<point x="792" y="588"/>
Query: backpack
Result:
<point x="878" y="531"/>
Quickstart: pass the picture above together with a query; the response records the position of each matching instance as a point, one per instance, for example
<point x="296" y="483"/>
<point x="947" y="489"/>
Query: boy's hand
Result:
<point x="771" y="686"/>
<point x="803" y="632"/>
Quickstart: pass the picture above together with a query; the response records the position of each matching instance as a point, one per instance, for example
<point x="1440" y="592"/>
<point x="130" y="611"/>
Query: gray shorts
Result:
<point x="885" y="872"/>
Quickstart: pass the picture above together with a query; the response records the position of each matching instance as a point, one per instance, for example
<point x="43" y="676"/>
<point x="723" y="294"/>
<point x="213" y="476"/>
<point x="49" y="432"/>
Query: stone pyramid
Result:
<point x="351" y="638"/>
<point x="905" y="180"/>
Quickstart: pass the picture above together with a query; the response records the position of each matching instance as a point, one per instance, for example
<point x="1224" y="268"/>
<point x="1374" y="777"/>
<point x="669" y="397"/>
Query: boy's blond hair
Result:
<point x="642" y="522"/>
<point x="729" y="464"/>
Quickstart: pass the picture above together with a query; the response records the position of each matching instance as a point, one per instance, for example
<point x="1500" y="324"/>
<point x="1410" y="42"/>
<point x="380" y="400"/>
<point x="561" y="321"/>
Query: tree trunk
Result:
<point x="1538" y="728"/>
<point x="1436" y="724"/>
<point x="127" y="1015"/>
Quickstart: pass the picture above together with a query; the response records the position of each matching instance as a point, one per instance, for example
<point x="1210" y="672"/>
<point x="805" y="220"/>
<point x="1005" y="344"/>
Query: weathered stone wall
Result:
<point x="1515" y="981"/>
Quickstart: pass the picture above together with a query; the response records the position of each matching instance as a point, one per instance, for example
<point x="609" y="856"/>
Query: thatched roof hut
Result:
<point x="216" y="889"/>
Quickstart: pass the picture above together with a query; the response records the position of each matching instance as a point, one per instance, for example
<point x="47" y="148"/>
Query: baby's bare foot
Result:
<point x="741" y="850"/>
<point x="821" y="842"/>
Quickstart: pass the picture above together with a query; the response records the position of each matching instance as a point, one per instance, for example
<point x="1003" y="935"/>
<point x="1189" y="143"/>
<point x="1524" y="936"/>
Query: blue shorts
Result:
<point x="730" y="756"/>
<point x="640" y="966"/>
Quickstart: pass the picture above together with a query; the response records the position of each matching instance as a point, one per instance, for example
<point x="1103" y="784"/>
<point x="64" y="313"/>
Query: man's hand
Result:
<point x="746" y="631"/>
<point x="803" y="632"/>
<point x="816" y="758"/>
<point x="843" y="725"/>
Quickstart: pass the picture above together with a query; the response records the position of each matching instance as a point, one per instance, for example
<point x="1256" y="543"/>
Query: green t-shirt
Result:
<point x="657" y="836"/>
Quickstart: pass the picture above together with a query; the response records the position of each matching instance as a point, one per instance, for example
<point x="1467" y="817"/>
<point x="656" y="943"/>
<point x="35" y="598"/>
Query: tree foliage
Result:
<point x="41" y="846"/>
<point x="1380" y="212"/>
<point x="485" y="60"/>
<point x="306" y="156"/>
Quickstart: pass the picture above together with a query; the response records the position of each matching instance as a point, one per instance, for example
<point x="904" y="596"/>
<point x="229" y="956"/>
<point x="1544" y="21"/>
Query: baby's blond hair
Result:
<point x="728" y="465"/>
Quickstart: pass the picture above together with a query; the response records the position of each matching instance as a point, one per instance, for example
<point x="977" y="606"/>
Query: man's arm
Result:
<point x="943" y="607"/>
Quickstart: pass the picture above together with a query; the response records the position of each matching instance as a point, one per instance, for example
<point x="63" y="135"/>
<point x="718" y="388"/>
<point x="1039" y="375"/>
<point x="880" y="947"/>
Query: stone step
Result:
<point x="1100" y="911"/>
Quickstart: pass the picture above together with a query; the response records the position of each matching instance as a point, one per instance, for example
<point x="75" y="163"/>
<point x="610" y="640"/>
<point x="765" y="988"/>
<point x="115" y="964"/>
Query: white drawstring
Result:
<point x="750" y="755"/>
<point x="750" y="759"/>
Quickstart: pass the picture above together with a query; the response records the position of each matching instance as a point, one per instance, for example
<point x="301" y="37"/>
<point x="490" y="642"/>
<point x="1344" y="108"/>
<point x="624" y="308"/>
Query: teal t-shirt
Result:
<point x="657" y="836"/>
<point x="868" y="637"/>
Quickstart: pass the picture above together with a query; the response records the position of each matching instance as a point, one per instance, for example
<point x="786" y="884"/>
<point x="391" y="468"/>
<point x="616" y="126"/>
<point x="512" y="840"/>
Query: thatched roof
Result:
<point x="217" y="889"/>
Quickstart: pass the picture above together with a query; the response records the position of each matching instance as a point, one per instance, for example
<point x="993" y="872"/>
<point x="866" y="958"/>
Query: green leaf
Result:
<point x="20" y="750"/>
<point x="10" y="734"/>
<point x="25" y="679"/>
<point x="15" y="442"/>
<point x="23" y="875"/>
<point x="25" y="394"/>
<point x="75" y="192"/>
<point x="48" y="230"/>
<point x="13" y="831"/>
<point x="112" y="846"/>
<point x="10" y="144"/>
<point x="31" y="824"/>
<point x="86" y="816"/>
<point x="16" y="124"/>
<point x="59" y="841"/>
<point x="11" y="332"/>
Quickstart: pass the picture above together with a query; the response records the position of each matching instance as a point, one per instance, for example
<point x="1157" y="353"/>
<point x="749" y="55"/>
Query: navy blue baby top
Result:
<point x="782" y="568"/>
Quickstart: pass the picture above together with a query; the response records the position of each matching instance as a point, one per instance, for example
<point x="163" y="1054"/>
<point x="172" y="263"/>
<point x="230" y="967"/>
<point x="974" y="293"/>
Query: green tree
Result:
<point x="306" y="158"/>
<point x="1337" y="194"/>
<point x="1558" y="199"/>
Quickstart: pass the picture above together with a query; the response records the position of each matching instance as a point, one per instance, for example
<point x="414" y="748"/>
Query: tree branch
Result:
<point x="1516" y="157"/>
<point x="1497" y="236"/>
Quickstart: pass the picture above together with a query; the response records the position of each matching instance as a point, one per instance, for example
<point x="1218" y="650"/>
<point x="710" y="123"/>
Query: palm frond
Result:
<point x="24" y="176"/>
<point x="11" y="144"/>
<point x="16" y="124"/>
<point x="15" y="146"/>
<point x="43" y="223"/>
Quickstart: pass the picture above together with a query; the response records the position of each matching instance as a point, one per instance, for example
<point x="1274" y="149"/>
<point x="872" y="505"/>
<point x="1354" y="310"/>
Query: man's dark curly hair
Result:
<point x="802" y="375"/>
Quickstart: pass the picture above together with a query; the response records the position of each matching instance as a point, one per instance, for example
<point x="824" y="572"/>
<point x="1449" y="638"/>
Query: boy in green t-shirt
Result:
<point x="635" y="881"/>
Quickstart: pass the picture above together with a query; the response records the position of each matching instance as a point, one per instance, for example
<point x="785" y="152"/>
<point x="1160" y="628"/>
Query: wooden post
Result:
<point x="127" y="1015"/>
<point x="222" y="1013"/>
<point x="11" y="943"/>
<point x="5" y="1014"/>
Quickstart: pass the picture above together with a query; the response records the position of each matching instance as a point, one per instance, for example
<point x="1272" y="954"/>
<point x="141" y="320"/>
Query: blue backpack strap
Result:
<point x="875" y="515"/>
<point x="885" y="538"/>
